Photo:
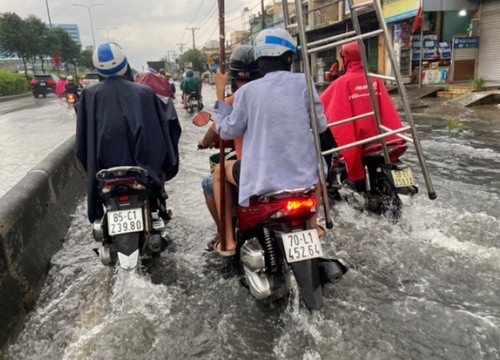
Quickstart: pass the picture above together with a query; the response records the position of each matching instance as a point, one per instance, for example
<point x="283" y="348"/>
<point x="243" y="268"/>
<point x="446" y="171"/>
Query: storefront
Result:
<point x="489" y="44"/>
<point x="399" y="15"/>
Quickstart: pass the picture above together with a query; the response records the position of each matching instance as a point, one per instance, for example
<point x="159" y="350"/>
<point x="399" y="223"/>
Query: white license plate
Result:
<point x="42" y="84"/>
<point x="302" y="245"/>
<point x="125" y="221"/>
<point x="403" y="178"/>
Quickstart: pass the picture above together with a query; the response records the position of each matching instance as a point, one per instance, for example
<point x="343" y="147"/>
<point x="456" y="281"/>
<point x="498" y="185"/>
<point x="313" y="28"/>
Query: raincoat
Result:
<point x="121" y="123"/>
<point x="348" y="96"/>
<point x="159" y="83"/>
<point x="60" y="87"/>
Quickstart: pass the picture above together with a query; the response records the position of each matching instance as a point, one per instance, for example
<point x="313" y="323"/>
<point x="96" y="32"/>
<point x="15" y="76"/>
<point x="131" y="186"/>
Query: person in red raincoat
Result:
<point x="348" y="96"/>
<point x="159" y="84"/>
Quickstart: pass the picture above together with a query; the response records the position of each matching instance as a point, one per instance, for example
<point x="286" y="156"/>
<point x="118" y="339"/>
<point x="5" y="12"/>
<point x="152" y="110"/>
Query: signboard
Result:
<point x="465" y="43"/>
<point x="436" y="76"/>
<point x="397" y="10"/>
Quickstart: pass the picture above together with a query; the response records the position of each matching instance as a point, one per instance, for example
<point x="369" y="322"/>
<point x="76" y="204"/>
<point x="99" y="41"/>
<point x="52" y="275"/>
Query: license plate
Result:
<point x="302" y="245"/>
<point x="42" y="84"/>
<point x="403" y="178"/>
<point x="125" y="221"/>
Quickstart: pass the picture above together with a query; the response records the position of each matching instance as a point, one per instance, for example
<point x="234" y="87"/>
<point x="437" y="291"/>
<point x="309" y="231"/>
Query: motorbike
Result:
<point x="71" y="99"/>
<point x="387" y="188"/>
<point x="134" y="220"/>
<point x="276" y="244"/>
<point x="193" y="102"/>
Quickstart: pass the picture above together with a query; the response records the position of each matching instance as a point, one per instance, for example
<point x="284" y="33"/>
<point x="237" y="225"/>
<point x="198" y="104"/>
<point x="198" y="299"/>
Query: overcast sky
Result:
<point x="146" y="29"/>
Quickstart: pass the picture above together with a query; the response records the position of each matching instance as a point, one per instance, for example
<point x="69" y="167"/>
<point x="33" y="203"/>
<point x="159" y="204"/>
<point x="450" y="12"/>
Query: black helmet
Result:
<point x="161" y="72"/>
<point x="242" y="63"/>
<point x="189" y="73"/>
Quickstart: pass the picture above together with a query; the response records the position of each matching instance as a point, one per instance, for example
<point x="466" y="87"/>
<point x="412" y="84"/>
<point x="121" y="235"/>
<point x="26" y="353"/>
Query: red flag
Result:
<point x="56" y="61"/>
<point x="419" y="19"/>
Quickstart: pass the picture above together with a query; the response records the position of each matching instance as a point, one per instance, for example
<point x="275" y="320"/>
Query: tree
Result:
<point x="39" y="36"/>
<point x="15" y="38"/>
<point x="193" y="57"/>
<point x="65" y="47"/>
<point x="85" y="59"/>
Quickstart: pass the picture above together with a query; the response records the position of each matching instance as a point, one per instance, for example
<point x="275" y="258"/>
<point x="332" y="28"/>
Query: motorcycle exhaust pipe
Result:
<point x="331" y="271"/>
<point x="156" y="243"/>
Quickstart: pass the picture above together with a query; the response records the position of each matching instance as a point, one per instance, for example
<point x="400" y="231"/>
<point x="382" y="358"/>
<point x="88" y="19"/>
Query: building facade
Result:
<point x="73" y="31"/>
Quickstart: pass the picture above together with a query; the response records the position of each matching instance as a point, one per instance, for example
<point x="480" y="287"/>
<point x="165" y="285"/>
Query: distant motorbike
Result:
<point x="275" y="241"/>
<point x="388" y="187"/>
<point x="193" y="102"/>
<point x="135" y="217"/>
<point x="71" y="99"/>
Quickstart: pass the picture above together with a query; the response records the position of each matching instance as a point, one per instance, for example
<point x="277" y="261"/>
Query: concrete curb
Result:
<point x="34" y="219"/>
<point x="15" y="97"/>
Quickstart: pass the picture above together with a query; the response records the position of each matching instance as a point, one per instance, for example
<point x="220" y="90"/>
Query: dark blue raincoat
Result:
<point x="121" y="123"/>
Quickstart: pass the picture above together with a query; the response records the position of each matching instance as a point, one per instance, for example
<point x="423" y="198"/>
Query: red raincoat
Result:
<point x="159" y="83"/>
<point x="348" y="96"/>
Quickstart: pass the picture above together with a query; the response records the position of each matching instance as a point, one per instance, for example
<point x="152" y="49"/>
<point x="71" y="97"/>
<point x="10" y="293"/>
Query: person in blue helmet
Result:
<point x="122" y="123"/>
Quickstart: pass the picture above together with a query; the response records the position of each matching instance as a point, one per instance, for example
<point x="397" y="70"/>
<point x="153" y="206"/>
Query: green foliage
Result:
<point x="193" y="56"/>
<point x="454" y="125"/>
<point x="479" y="84"/>
<point x="12" y="84"/>
<point x="85" y="59"/>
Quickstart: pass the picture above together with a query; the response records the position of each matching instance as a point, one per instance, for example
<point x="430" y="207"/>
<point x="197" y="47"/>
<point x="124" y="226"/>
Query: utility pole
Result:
<point x="48" y="13"/>
<point x="107" y="31"/>
<point x="193" y="29"/>
<point x="88" y="7"/>
<point x="181" y="46"/>
<point x="263" y="20"/>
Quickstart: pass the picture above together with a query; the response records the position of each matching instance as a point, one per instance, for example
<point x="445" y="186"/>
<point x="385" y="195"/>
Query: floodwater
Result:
<point x="425" y="289"/>
<point x="30" y="129"/>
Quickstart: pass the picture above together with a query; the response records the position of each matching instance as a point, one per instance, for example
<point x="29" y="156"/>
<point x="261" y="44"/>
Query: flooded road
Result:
<point x="425" y="289"/>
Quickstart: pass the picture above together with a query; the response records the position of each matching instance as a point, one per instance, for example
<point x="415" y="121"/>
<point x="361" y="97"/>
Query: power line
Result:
<point x="209" y="14"/>
<point x="197" y="11"/>
<point x="193" y="29"/>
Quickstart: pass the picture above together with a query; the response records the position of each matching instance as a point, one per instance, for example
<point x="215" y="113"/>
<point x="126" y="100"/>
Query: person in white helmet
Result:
<point x="273" y="115"/>
<point x="71" y="87"/>
<point x="122" y="123"/>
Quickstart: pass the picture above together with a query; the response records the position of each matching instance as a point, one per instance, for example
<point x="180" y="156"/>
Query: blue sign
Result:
<point x="466" y="43"/>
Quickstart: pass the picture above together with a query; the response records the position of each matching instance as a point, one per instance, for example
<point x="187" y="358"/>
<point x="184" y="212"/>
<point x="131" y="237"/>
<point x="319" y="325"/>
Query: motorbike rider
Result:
<point x="243" y="68"/>
<point x="121" y="123"/>
<point x="190" y="84"/>
<point x="169" y="78"/>
<point x="349" y="96"/>
<point x="60" y="86"/>
<point x="71" y="87"/>
<point x="157" y="82"/>
<point x="273" y="115"/>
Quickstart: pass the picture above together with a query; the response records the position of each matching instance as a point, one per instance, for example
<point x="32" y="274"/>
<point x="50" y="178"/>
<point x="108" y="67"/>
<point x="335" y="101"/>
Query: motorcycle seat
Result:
<point x="120" y="171"/>
<point x="286" y="193"/>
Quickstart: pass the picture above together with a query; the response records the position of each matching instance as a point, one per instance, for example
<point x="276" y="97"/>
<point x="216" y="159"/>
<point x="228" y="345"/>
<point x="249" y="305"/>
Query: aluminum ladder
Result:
<point x="383" y="131"/>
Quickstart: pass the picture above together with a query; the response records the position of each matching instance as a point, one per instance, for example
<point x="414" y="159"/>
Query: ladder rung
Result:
<point x="404" y="137"/>
<point x="346" y="41"/>
<point x="352" y="119"/>
<point x="336" y="37"/>
<point x="367" y="140"/>
<point x="359" y="6"/>
<point x="292" y="26"/>
<point x="382" y="77"/>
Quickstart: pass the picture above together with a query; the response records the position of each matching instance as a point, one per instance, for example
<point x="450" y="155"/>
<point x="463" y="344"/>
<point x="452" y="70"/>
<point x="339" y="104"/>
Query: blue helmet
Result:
<point x="110" y="60"/>
<point x="273" y="42"/>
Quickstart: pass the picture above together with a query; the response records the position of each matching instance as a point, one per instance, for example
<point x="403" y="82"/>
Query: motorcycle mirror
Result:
<point x="202" y="119"/>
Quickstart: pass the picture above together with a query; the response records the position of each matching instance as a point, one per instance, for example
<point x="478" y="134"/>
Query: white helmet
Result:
<point x="273" y="42"/>
<point x="69" y="78"/>
<point x="110" y="60"/>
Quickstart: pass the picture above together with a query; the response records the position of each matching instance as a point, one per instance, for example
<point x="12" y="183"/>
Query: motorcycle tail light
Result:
<point x="51" y="82"/>
<point x="33" y="82"/>
<point x="124" y="198"/>
<point x="111" y="184"/>
<point x="299" y="204"/>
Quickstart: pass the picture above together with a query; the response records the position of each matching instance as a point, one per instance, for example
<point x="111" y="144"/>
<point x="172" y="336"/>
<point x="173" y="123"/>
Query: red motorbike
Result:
<point x="277" y="244"/>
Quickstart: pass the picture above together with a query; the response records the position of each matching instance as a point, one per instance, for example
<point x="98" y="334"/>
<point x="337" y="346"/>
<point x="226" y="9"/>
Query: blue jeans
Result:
<point x="208" y="188"/>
